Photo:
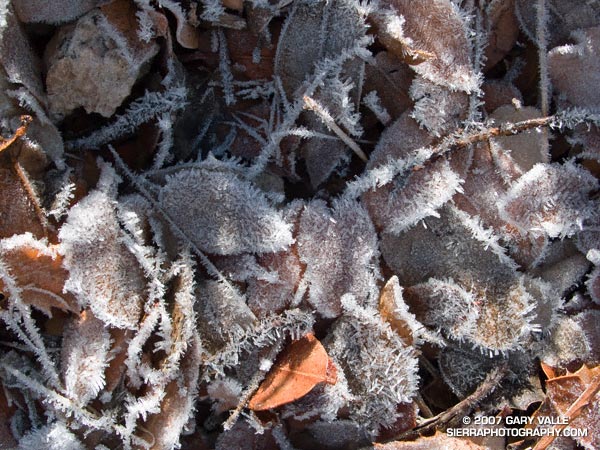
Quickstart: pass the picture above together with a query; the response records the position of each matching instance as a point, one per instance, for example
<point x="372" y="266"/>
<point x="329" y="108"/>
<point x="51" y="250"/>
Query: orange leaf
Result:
<point x="299" y="368"/>
<point x="41" y="277"/>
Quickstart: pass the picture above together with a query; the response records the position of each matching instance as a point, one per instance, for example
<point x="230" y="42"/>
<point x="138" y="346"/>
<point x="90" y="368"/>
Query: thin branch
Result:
<point x="324" y="115"/>
<point x="462" y="408"/>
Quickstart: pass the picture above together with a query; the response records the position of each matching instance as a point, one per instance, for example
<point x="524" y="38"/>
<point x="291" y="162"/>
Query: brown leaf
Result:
<point x="438" y="40"/>
<point x="300" y="367"/>
<point x="39" y="273"/>
<point x="574" y="397"/>
<point x="389" y="297"/>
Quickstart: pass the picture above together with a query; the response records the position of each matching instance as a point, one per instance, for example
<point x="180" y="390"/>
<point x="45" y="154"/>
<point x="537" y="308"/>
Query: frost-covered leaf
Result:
<point x="178" y="404"/>
<point x="550" y="199"/>
<point x="21" y="64"/>
<point x="221" y="311"/>
<point x="411" y="196"/>
<point x="95" y="62"/>
<point x="224" y="214"/>
<point x="314" y="31"/>
<point x="55" y="436"/>
<point x="103" y="273"/>
<point x="437" y="28"/>
<point x="391" y="80"/>
<point x="36" y="266"/>
<point x="563" y="17"/>
<point x="273" y="296"/>
<point x="373" y="356"/>
<point x="339" y="248"/>
<point x="437" y="108"/>
<point x="573" y="340"/>
<point x="84" y="357"/>
<point x="53" y="13"/>
<point x="575" y="68"/>
<point x="447" y="305"/>
<point x="528" y="148"/>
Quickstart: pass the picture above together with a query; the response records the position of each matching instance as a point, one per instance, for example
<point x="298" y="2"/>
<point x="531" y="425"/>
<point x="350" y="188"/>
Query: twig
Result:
<point x="462" y="408"/>
<point x="5" y="143"/>
<point x="251" y="389"/>
<point x="324" y="115"/>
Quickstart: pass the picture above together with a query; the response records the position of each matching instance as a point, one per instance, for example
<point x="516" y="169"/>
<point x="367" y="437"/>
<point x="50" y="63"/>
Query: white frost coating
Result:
<point x="223" y="214"/>
<point x="339" y="248"/>
<point x="103" y="274"/>
<point x="550" y="199"/>
<point x="55" y="436"/>
<point x="84" y="359"/>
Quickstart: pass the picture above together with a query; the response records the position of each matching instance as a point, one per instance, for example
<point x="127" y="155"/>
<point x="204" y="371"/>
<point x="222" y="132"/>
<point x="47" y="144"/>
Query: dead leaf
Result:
<point x="574" y="396"/>
<point x="300" y="367"/>
<point x="400" y="321"/>
<point x="38" y="269"/>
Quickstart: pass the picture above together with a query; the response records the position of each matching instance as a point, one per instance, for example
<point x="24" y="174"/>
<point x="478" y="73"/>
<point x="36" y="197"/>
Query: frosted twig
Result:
<point x="252" y="387"/>
<point x="324" y="115"/>
<point x="542" y="20"/>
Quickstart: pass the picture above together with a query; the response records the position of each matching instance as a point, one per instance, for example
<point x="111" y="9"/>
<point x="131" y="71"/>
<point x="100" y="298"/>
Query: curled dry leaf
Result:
<point x="297" y="370"/>
<point x="37" y="267"/>
<point x="394" y="311"/>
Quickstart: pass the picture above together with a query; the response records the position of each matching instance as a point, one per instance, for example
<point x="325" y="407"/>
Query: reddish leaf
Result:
<point x="300" y="367"/>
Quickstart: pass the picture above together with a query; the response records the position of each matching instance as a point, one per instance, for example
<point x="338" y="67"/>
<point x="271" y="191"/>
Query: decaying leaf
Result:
<point x="37" y="267"/>
<point x="297" y="370"/>
<point x="95" y="62"/>
<point x="440" y="440"/>
<point x="576" y="397"/>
